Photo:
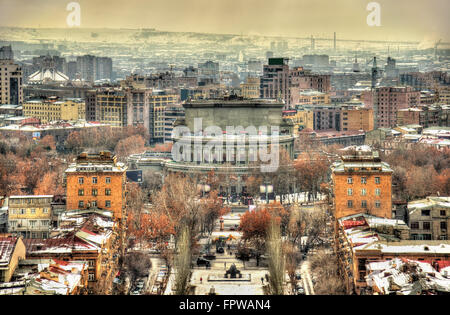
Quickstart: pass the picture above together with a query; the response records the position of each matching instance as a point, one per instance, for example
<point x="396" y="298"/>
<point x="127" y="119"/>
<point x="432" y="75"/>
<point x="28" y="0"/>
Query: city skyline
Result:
<point x="400" y="20"/>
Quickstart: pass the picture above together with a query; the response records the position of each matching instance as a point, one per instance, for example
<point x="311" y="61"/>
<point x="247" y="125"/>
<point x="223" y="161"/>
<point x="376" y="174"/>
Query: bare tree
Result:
<point x="276" y="259"/>
<point x="307" y="223"/>
<point x="292" y="260"/>
<point x="138" y="264"/>
<point x="183" y="262"/>
<point x="325" y="266"/>
<point x="151" y="183"/>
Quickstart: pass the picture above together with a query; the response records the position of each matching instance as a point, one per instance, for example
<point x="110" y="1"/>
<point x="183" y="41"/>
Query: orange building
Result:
<point x="357" y="118"/>
<point x="97" y="181"/>
<point x="362" y="184"/>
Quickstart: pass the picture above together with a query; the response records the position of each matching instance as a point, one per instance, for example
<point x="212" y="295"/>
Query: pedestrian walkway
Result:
<point x="306" y="278"/>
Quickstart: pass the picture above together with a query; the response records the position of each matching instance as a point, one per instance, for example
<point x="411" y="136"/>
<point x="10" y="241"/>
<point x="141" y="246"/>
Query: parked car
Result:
<point x="140" y="284"/>
<point x="300" y="290"/>
<point x="209" y="256"/>
<point x="203" y="262"/>
<point x="243" y="256"/>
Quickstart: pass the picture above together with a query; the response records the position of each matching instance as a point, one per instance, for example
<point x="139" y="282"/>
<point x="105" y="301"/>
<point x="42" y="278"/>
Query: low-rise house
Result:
<point x="361" y="240"/>
<point x="59" y="278"/>
<point x="84" y="235"/>
<point x="408" y="277"/>
<point x="429" y="218"/>
<point x="356" y="231"/>
<point x="12" y="249"/>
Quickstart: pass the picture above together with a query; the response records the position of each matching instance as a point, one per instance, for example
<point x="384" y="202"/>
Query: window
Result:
<point x="108" y="180"/>
<point x="377" y="191"/>
<point x="91" y="277"/>
<point x="94" y="203"/>
<point x="108" y="192"/>
<point x="377" y="204"/>
<point x="349" y="192"/>
<point x="33" y="223"/>
<point x="33" y="211"/>
<point x="349" y="203"/>
<point x="44" y="222"/>
<point x="414" y="225"/>
<point x="426" y="225"/>
<point x="377" y="180"/>
<point x="362" y="276"/>
<point x="108" y="203"/>
<point x="349" y="180"/>
<point x="94" y="180"/>
<point x="23" y="211"/>
<point x="425" y="213"/>
<point x="363" y="192"/>
<point x="364" y="204"/>
<point x="80" y="180"/>
<point x="81" y="204"/>
<point x="94" y="192"/>
<point x="443" y="213"/>
<point x="45" y="210"/>
<point x="363" y="180"/>
<point x="443" y="225"/>
<point x="80" y="192"/>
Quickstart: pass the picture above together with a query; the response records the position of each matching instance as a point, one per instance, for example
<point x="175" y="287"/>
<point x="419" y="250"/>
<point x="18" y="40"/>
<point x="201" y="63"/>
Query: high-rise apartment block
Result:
<point x="11" y="78"/>
<point x="87" y="67"/>
<point x="131" y="107"/>
<point x="386" y="101"/>
<point x="91" y="68"/>
<point x="280" y="82"/>
<point x="6" y="53"/>
<point x="275" y="82"/>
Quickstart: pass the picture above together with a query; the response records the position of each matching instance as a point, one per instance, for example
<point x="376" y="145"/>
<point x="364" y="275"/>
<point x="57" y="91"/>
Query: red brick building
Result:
<point x="386" y="101"/>
<point x="362" y="183"/>
<point x="97" y="181"/>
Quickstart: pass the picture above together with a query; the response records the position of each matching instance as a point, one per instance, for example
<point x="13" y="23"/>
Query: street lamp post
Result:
<point x="266" y="188"/>
<point x="205" y="188"/>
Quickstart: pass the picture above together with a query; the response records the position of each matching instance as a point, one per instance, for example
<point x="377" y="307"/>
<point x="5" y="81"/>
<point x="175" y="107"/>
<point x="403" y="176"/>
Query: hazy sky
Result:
<point x="400" y="19"/>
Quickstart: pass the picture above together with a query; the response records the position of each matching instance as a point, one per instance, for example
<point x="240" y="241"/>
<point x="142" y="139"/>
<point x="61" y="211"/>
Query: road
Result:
<point x="306" y="278"/>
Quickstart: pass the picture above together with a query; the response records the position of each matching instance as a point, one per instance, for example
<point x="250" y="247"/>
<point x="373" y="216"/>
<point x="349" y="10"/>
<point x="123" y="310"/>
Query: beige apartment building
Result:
<point x="250" y="89"/>
<point x="54" y="110"/>
<point x="429" y="218"/>
<point x="30" y="216"/>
